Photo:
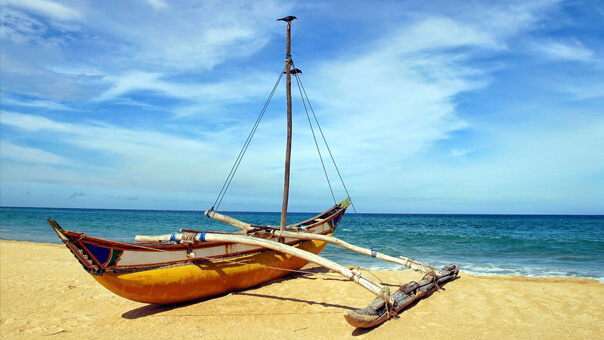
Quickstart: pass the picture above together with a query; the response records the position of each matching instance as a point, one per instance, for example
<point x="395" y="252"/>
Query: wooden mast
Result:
<point x="288" y="150"/>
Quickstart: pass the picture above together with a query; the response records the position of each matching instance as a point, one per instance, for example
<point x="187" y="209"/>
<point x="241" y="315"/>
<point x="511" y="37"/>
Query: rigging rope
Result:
<point x="227" y="183"/>
<point x="304" y="97"/>
<point x="301" y="86"/>
<point x="313" y="135"/>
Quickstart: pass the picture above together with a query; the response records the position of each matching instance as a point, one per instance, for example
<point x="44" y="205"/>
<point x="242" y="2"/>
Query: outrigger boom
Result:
<point x="298" y="233"/>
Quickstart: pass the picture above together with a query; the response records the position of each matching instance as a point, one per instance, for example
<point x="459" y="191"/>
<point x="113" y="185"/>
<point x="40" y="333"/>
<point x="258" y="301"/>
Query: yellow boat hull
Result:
<point x="198" y="281"/>
<point x="174" y="272"/>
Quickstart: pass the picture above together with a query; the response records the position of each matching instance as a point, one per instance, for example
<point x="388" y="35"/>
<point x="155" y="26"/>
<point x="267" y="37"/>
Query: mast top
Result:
<point x="288" y="18"/>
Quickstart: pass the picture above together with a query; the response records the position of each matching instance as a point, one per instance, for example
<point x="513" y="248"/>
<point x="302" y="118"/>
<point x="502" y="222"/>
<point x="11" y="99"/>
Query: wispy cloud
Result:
<point x="12" y="152"/>
<point x="441" y="33"/>
<point x="572" y="50"/>
<point x="230" y="89"/>
<point x="464" y="152"/>
<point x="44" y="104"/>
<point x="157" y="4"/>
<point x="77" y="194"/>
<point x="414" y="82"/>
<point x="46" y="8"/>
<point x="192" y="37"/>
<point x="128" y="150"/>
<point x="33" y="123"/>
<point x="59" y="57"/>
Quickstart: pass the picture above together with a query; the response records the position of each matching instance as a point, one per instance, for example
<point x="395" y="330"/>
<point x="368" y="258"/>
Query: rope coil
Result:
<point x="356" y="277"/>
<point x="188" y="238"/>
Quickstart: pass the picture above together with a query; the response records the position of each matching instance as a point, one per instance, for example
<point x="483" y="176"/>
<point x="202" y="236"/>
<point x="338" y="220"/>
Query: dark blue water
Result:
<point x="533" y="246"/>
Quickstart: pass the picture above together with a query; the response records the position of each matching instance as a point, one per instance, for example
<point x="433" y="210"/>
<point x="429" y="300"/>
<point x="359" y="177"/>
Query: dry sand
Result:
<point x="46" y="294"/>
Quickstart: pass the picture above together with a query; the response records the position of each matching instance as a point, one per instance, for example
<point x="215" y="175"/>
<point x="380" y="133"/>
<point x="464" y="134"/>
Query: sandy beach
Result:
<point x="45" y="293"/>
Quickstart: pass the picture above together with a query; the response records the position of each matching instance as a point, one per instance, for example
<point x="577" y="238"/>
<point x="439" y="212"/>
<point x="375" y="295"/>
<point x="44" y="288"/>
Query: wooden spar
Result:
<point x="227" y="219"/>
<point x="374" y="287"/>
<point x="406" y="262"/>
<point x="403" y="261"/>
<point x="288" y="149"/>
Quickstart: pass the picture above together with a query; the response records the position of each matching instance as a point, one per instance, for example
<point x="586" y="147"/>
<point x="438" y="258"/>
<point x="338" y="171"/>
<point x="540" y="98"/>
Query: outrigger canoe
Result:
<point x="192" y="265"/>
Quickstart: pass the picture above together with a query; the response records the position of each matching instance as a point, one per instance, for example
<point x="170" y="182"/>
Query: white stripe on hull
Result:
<point x="137" y="258"/>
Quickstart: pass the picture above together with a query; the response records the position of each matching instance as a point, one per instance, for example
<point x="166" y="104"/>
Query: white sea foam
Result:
<point x="494" y="270"/>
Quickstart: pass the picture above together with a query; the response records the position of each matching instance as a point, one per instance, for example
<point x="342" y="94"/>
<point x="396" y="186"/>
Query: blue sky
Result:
<point x="428" y="107"/>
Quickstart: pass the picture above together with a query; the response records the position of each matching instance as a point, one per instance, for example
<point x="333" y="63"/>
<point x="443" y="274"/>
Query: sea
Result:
<point x="526" y="245"/>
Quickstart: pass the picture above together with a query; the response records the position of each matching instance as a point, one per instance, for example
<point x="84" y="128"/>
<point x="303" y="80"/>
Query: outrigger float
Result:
<point x="192" y="265"/>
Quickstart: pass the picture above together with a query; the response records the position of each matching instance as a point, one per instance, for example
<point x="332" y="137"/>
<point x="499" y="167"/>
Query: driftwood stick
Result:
<point x="374" y="287"/>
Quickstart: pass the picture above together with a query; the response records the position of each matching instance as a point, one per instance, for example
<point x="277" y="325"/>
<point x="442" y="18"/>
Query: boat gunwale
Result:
<point x="74" y="239"/>
<point x="335" y="211"/>
<point x="159" y="246"/>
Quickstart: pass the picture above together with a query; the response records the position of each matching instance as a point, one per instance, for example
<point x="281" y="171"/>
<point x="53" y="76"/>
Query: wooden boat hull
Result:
<point x="197" y="281"/>
<point x="167" y="273"/>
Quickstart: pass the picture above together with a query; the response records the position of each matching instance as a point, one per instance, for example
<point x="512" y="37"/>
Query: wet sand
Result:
<point x="44" y="292"/>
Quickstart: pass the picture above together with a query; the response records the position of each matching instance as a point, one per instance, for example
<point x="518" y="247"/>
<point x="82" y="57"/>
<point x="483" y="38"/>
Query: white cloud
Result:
<point x="441" y="33"/>
<point x="572" y="50"/>
<point x="510" y="18"/>
<point x="593" y="89"/>
<point x="184" y="36"/>
<point x="10" y="151"/>
<point x="157" y="4"/>
<point x="20" y="27"/>
<point x="23" y="76"/>
<point x="136" y="81"/>
<point x="395" y="101"/>
<point x="47" y="8"/>
<point x="33" y="123"/>
<point x="136" y="157"/>
<point x="464" y="152"/>
<point x="199" y="93"/>
<point x="45" y="104"/>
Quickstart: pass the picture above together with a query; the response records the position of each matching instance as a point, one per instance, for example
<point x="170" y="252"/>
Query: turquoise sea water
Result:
<point x="527" y="245"/>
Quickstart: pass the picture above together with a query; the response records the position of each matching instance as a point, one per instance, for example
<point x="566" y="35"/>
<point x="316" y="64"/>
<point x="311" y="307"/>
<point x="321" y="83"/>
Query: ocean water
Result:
<point x="527" y="245"/>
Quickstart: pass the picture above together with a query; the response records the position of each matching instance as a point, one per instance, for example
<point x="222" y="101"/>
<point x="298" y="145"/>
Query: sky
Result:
<point x="474" y="107"/>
